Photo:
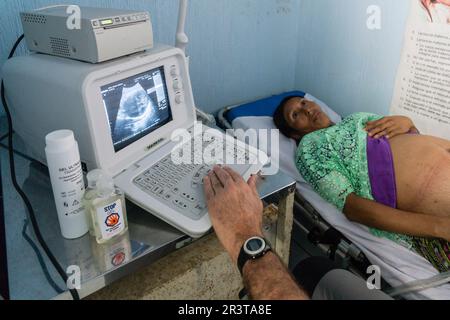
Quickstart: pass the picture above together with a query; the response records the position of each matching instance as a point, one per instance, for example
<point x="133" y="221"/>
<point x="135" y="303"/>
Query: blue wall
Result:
<point x="244" y="49"/>
<point x="341" y="61"/>
<point x="240" y="49"/>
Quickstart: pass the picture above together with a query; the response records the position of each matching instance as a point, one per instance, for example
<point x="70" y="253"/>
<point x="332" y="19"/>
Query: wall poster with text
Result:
<point x="422" y="89"/>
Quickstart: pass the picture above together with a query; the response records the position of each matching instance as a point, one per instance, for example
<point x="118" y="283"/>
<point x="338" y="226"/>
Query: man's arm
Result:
<point x="268" y="279"/>
<point x="376" y="215"/>
<point x="236" y="211"/>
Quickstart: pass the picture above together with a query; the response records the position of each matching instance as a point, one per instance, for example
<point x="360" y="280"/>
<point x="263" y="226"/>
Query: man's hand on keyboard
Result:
<point x="234" y="207"/>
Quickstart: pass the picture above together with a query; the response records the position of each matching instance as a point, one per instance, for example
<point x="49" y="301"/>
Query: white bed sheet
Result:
<point x="398" y="264"/>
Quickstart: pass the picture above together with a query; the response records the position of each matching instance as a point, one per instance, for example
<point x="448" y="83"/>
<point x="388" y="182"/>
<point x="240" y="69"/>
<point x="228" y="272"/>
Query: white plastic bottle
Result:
<point x="106" y="206"/>
<point x="66" y="176"/>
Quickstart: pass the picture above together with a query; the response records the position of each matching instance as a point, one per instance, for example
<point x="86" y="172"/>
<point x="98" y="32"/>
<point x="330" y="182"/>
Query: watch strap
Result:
<point x="244" y="256"/>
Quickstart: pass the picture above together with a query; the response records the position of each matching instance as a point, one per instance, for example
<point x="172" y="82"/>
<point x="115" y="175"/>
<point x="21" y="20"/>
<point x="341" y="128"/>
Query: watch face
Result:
<point x="254" y="246"/>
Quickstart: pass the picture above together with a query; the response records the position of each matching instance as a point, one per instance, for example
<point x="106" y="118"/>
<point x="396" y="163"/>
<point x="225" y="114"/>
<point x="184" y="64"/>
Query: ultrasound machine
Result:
<point x="130" y="116"/>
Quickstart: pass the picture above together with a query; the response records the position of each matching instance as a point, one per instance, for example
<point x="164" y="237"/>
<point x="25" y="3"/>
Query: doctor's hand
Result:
<point x="234" y="207"/>
<point x="389" y="127"/>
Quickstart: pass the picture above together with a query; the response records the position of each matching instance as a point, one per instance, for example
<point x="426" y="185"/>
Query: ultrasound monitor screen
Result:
<point x="136" y="106"/>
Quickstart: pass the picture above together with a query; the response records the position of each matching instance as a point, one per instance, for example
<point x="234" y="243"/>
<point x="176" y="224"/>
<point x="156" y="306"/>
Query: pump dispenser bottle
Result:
<point x="105" y="206"/>
<point x="90" y="193"/>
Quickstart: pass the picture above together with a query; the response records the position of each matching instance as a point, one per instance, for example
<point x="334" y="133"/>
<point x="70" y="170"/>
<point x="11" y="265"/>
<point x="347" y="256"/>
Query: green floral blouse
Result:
<point x="334" y="162"/>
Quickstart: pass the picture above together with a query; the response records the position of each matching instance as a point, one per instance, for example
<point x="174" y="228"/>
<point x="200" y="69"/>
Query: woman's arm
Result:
<point x="375" y="215"/>
<point x="390" y="127"/>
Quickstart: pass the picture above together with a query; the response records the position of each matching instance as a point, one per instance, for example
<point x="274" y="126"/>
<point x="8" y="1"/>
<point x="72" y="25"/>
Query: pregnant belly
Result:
<point x="422" y="173"/>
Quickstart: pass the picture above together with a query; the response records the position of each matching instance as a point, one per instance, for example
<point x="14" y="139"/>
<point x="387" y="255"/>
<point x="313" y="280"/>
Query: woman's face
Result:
<point x="305" y="116"/>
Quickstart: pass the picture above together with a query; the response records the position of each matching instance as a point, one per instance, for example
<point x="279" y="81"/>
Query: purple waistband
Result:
<point x="381" y="171"/>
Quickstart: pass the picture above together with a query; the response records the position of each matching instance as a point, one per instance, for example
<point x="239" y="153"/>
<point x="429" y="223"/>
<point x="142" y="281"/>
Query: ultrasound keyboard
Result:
<point x="180" y="186"/>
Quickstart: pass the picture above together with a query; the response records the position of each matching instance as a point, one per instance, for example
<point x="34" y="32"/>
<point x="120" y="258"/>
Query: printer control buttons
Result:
<point x="177" y="85"/>
<point x="174" y="71"/>
<point x="179" y="98"/>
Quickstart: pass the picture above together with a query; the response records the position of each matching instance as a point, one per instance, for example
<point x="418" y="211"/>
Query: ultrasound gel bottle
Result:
<point x="66" y="176"/>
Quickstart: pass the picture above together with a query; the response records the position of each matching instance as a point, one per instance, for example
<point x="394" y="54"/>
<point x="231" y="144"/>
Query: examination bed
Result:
<point x="350" y="244"/>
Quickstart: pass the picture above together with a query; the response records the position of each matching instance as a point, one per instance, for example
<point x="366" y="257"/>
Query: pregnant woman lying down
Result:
<point x="379" y="171"/>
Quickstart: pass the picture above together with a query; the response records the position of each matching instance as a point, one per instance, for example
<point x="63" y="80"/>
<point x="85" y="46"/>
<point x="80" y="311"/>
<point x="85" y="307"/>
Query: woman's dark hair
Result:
<point x="279" y="119"/>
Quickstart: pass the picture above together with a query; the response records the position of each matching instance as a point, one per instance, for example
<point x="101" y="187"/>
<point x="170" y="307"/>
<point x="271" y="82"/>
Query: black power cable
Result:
<point x="3" y="137"/>
<point x="22" y="194"/>
<point x="20" y="154"/>
<point x="40" y="258"/>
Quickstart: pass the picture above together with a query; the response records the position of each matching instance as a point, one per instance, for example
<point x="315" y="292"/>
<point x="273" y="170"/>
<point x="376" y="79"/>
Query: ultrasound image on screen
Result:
<point x="136" y="106"/>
